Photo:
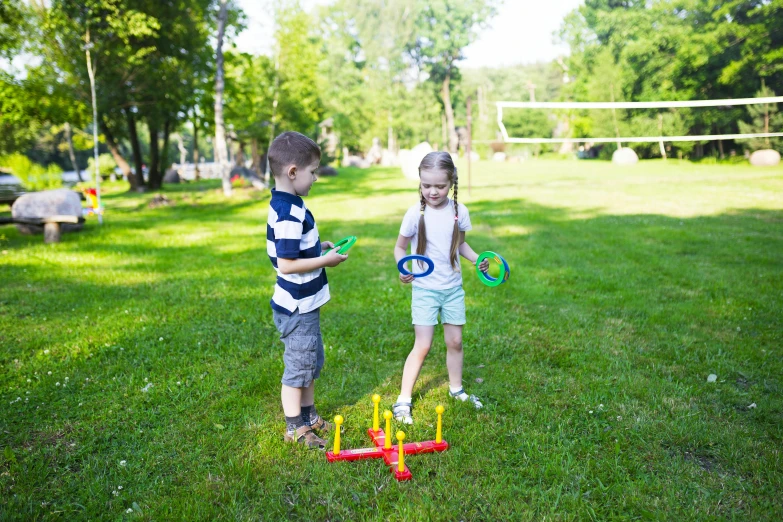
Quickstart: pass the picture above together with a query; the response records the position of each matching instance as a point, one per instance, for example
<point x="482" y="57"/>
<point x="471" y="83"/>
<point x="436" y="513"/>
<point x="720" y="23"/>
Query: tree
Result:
<point x="220" y="128"/>
<point x="488" y="85"/>
<point x="751" y="31"/>
<point x="121" y="44"/>
<point x="248" y="96"/>
<point x="697" y="49"/>
<point x="13" y="27"/>
<point x="299" y="54"/>
<point x="763" y="118"/>
<point x="444" y="29"/>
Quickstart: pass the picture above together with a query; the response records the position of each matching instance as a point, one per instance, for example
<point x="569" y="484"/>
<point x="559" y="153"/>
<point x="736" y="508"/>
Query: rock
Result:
<point x="765" y="158"/>
<point x="249" y="175"/>
<point x="355" y="161"/>
<point x="171" y="176"/>
<point x="499" y="156"/>
<point x="352" y="160"/>
<point x="712" y="377"/>
<point x="159" y="201"/>
<point x="326" y="170"/>
<point x="40" y="205"/>
<point x="498" y="146"/>
<point x="474" y="156"/>
<point x="410" y="160"/>
<point x="625" y="156"/>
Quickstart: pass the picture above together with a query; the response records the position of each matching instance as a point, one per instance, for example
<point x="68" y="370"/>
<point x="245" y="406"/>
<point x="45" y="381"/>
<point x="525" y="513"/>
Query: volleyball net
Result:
<point x="665" y="112"/>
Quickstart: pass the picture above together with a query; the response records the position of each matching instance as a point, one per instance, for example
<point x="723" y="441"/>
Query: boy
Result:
<point x="295" y="249"/>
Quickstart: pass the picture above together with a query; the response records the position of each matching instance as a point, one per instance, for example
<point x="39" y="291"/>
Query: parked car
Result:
<point x="11" y="188"/>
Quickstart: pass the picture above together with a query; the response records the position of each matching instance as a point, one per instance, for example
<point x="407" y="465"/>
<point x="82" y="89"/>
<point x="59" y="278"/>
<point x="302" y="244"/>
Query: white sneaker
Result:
<point x="462" y="396"/>
<point x="402" y="412"/>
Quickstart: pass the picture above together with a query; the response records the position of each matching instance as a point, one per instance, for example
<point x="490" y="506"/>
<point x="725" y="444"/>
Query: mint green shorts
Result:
<point x="426" y="304"/>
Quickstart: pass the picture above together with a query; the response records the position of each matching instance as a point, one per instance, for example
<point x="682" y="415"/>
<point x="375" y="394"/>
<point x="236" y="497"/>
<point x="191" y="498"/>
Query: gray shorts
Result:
<point x="304" y="348"/>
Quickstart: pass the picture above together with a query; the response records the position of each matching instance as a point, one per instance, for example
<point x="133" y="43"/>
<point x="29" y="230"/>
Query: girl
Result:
<point x="437" y="226"/>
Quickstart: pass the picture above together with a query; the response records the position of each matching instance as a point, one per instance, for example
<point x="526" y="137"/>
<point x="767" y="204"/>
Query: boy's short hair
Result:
<point x="292" y="148"/>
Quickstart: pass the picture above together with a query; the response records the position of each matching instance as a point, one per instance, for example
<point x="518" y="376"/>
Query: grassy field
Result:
<point x="140" y="368"/>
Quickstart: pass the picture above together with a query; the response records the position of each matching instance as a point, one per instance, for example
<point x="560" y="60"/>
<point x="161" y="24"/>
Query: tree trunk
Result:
<point x="444" y="133"/>
<point x="164" y="153"/>
<point x="117" y="155"/>
<point x="195" y="147"/>
<point x="256" y="156"/>
<point x="239" y="159"/>
<point x="766" y="125"/>
<point x="138" y="161"/>
<point x="154" y="175"/>
<point x="446" y="93"/>
<point x="220" y="129"/>
<point x="71" y="153"/>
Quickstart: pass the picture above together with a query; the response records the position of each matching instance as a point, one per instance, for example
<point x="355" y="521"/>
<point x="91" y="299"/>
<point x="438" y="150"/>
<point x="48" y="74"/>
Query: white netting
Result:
<point x="634" y="105"/>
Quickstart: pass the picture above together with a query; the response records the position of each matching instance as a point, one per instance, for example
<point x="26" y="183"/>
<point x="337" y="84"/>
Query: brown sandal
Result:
<point x="305" y="435"/>
<point x="322" y="425"/>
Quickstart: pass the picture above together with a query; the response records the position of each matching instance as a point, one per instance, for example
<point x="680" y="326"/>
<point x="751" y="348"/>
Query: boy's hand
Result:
<point x="406" y="278"/>
<point x="334" y="258"/>
<point x="484" y="265"/>
<point x="326" y="245"/>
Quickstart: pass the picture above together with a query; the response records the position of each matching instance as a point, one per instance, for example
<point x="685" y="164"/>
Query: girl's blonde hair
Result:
<point x="440" y="161"/>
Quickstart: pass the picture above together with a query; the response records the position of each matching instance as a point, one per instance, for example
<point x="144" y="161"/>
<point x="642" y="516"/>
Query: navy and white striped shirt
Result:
<point x="291" y="234"/>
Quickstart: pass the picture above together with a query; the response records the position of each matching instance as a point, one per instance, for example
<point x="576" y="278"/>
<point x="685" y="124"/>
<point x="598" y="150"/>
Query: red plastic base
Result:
<point x="390" y="456"/>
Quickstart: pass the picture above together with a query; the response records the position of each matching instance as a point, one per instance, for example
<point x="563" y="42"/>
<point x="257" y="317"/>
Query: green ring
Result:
<point x="343" y="245"/>
<point x="486" y="278"/>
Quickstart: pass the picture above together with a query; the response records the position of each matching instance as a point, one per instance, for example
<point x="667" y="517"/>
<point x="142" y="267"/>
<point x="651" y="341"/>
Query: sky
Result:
<point x="522" y="32"/>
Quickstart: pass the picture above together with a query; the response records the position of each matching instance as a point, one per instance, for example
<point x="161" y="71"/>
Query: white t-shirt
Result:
<point x="440" y="227"/>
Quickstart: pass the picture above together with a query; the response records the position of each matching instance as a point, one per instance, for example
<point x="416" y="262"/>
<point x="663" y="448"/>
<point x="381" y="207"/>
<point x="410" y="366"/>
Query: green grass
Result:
<point x="628" y="288"/>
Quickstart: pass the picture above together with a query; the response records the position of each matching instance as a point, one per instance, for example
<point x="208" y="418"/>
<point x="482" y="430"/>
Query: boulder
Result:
<point x="44" y="204"/>
<point x="474" y="156"/>
<point x="171" y="176"/>
<point x="499" y="156"/>
<point x="498" y="146"/>
<point x="249" y="175"/>
<point x="160" y="200"/>
<point x="625" y="156"/>
<point x="355" y="161"/>
<point x="410" y="160"/>
<point x="326" y="170"/>
<point x="765" y="158"/>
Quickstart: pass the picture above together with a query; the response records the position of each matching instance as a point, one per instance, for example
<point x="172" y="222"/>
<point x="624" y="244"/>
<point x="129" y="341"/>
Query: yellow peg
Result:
<point x="338" y="420"/>
<point x="375" y="422"/>
<point x="438" y="434"/>
<point x="401" y="458"/>
<point x="387" y="434"/>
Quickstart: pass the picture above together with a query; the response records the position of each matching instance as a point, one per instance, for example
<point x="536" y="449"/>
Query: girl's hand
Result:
<point x="406" y="279"/>
<point x="326" y="245"/>
<point x="484" y="265"/>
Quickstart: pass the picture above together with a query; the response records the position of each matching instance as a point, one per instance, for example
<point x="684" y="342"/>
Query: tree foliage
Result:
<point x="672" y="50"/>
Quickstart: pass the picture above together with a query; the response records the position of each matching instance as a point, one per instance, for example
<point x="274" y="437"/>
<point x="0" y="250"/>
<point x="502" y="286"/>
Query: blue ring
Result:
<point x="404" y="271"/>
<point x="493" y="279"/>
